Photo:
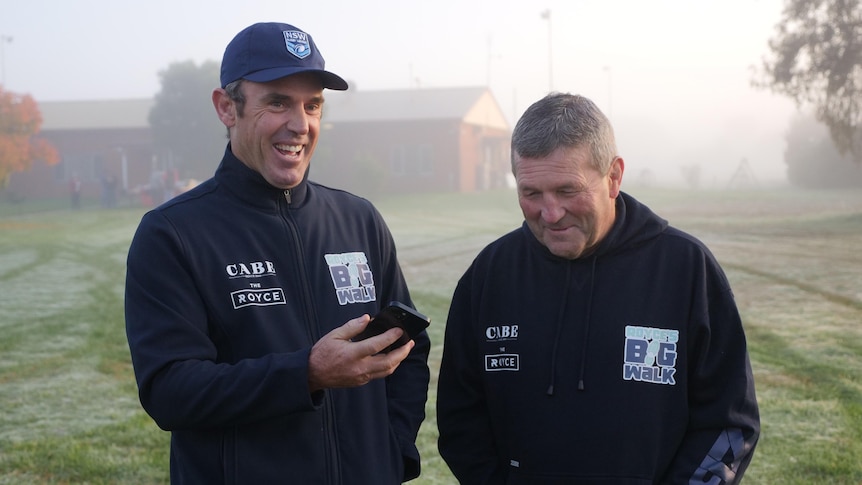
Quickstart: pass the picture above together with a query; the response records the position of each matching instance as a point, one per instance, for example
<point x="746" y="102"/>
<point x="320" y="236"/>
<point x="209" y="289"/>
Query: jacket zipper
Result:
<point x="330" y="438"/>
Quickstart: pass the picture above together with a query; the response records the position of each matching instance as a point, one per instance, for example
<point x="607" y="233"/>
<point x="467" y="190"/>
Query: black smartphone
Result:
<point x="395" y="314"/>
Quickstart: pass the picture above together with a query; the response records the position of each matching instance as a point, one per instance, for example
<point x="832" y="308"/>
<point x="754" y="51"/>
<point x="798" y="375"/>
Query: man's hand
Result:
<point x="335" y="361"/>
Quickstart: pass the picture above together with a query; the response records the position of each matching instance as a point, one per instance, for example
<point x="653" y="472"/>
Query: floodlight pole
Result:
<point x="3" y="40"/>
<point x="546" y="14"/>
<point x="610" y="90"/>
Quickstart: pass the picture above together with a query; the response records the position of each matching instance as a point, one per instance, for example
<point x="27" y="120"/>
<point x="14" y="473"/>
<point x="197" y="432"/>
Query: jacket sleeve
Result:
<point x="181" y="384"/>
<point x="407" y="387"/>
<point x="724" y="421"/>
<point x="407" y="392"/>
<point x="466" y="441"/>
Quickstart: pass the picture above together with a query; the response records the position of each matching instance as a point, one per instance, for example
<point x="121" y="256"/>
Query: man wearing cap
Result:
<point x="243" y="294"/>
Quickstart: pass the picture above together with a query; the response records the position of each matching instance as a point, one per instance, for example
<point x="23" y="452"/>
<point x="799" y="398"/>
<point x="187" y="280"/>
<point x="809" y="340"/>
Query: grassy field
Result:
<point x="69" y="407"/>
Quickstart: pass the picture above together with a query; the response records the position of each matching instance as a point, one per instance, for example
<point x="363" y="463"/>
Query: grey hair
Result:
<point x="234" y="92"/>
<point x="562" y="120"/>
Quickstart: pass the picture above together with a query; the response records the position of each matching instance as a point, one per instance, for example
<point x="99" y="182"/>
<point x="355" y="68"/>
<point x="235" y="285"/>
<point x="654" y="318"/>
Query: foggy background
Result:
<point x="672" y="75"/>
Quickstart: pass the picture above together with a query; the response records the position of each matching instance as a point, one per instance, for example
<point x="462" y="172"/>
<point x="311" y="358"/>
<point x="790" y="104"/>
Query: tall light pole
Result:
<point x="610" y="90"/>
<point x="546" y="14"/>
<point x="3" y="40"/>
<point x="488" y="64"/>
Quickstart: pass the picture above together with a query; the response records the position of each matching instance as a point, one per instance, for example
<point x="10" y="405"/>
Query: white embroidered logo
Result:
<point x="502" y="362"/>
<point x="258" y="297"/>
<point x="501" y="332"/>
<point x="254" y="269"/>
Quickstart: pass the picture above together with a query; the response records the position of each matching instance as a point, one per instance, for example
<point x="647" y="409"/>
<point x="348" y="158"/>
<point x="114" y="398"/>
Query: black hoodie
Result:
<point x="627" y="367"/>
<point x="228" y="287"/>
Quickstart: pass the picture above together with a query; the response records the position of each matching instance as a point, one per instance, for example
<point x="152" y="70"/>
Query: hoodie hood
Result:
<point x="634" y="224"/>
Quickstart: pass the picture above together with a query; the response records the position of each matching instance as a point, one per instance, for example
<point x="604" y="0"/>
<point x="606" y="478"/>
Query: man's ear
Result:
<point x="615" y="176"/>
<point x="224" y="106"/>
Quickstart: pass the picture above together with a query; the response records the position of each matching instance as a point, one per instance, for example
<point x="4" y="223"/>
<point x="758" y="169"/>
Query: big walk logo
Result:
<point x="352" y="277"/>
<point x="650" y="355"/>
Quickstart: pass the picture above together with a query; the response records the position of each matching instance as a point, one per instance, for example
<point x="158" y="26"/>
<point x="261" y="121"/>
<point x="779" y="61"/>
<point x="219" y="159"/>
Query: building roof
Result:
<point x="91" y="115"/>
<point x="475" y="105"/>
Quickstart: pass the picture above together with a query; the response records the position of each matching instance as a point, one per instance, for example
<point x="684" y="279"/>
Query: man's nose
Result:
<point x="552" y="210"/>
<point x="298" y="122"/>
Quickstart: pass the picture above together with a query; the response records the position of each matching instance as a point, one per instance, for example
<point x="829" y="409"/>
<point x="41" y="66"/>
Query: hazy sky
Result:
<point x="673" y="75"/>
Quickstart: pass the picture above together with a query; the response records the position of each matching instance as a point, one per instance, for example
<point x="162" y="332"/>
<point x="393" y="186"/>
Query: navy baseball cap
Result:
<point x="268" y="51"/>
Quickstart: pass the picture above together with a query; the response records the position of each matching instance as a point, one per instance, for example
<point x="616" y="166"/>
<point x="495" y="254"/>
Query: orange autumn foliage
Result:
<point x="20" y="122"/>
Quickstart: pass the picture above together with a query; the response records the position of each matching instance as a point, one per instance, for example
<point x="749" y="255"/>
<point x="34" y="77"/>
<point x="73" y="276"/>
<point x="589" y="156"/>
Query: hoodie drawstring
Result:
<point x="556" y="342"/>
<point x="587" y="325"/>
<point x="560" y="315"/>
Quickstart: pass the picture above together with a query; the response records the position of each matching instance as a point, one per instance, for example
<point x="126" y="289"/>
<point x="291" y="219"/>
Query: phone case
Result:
<point x="396" y="314"/>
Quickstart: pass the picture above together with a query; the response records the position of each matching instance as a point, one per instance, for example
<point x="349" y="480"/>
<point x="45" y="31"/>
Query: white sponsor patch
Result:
<point x="502" y="362"/>
<point x="257" y="297"/>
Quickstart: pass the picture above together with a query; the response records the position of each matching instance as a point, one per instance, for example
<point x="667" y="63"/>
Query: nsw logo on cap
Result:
<point x="297" y="43"/>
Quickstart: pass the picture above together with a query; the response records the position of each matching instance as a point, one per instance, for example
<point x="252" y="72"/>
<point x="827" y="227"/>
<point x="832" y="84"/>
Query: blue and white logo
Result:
<point x="650" y="355"/>
<point x="297" y="43"/>
<point x="351" y="277"/>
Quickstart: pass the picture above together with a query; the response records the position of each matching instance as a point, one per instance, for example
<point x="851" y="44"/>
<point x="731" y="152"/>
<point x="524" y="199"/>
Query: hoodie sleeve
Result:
<point x="181" y="384"/>
<point x="724" y="422"/>
<point x="466" y="441"/>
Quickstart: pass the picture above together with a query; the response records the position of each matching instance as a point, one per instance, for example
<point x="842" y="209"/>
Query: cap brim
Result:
<point x="330" y="80"/>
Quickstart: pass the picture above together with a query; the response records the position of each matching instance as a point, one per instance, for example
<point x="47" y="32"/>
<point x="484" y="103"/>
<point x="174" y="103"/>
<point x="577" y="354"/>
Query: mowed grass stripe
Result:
<point x="811" y="413"/>
<point x="791" y="258"/>
<point x="802" y="285"/>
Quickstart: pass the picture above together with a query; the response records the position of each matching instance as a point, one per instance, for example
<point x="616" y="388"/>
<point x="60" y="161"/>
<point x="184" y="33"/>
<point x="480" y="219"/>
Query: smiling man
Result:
<point x="243" y="294"/>
<point x="596" y="344"/>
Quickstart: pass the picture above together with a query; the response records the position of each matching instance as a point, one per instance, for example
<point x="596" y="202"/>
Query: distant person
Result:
<point x="243" y="294"/>
<point x="156" y="188"/>
<point x="596" y="343"/>
<point x="75" y="191"/>
<point x="109" y="191"/>
<point x="170" y="179"/>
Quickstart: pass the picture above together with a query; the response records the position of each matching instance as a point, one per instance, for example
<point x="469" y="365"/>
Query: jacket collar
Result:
<point x="249" y="186"/>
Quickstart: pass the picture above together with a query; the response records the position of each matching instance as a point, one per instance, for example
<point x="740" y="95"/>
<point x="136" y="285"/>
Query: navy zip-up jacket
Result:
<point x="228" y="287"/>
<point x="625" y="367"/>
